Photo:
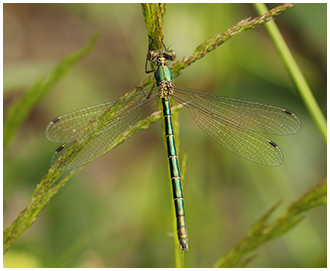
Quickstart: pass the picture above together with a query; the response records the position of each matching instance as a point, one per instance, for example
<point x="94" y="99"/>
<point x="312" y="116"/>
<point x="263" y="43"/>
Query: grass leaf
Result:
<point x="263" y="231"/>
<point x="19" y="110"/>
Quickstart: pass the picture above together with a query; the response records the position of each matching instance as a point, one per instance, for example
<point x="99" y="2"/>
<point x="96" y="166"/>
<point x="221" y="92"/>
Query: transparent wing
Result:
<point x="232" y="122"/>
<point x="241" y="141"/>
<point x="91" y="132"/>
<point x="250" y="115"/>
<point x="75" y="124"/>
<point x="83" y="121"/>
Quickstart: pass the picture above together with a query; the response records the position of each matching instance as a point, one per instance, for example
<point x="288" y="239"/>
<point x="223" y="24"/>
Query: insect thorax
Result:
<point x="165" y="89"/>
<point x="163" y="76"/>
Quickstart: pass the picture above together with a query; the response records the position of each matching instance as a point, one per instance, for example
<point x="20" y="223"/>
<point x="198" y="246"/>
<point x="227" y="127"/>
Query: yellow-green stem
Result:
<point x="294" y="72"/>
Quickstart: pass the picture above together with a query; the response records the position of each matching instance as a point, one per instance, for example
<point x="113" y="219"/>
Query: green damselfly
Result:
<point x="235" y="124"/>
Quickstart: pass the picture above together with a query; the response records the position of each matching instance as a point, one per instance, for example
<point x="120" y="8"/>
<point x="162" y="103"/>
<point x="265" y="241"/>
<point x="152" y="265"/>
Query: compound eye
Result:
<point x="151" y="55"/>
<point x="170" y="55"/>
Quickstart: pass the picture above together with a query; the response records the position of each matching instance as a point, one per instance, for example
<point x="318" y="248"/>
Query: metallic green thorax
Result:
<point x="163" y="78"/>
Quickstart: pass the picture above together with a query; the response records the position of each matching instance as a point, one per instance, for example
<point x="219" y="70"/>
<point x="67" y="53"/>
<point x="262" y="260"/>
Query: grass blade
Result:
<point x="263" y="232"/>
<point x="19" y="110"/>
<point x="295" y="73"/>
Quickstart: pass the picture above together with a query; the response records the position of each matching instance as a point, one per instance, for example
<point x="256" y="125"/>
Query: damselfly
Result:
<point x="235" y="124"/>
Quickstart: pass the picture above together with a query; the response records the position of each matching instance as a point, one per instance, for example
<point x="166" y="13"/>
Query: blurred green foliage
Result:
<point x="117" y="211"/>
<point x="20" y="108"/>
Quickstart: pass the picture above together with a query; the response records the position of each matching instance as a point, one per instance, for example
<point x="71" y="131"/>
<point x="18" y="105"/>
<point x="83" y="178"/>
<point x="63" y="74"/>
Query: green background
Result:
<point x="117" y="212"/>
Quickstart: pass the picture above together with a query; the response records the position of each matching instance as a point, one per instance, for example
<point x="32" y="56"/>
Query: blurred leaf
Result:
<point x="19" y="110"/>
<point x="263" y="232"/>
<point x="20" y="259"/>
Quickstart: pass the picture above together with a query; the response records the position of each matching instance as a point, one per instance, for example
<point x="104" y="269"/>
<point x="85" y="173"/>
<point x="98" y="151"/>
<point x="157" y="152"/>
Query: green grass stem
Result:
<point x="154" y="22"/>
<point x="295" y="73"/>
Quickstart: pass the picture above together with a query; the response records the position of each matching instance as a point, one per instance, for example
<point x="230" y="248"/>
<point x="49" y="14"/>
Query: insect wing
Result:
<point x="250" y="115"/>
<point x="233" y="123"/>
<point x="75" y="124"/>
<point x="96" y="133"/>
<point x="243" y="142"/>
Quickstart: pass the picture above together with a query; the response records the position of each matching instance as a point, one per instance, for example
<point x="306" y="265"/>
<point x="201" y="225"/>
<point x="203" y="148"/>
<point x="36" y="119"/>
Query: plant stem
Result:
<point x="154" y="21"/>
<point x="295" y="73"/>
